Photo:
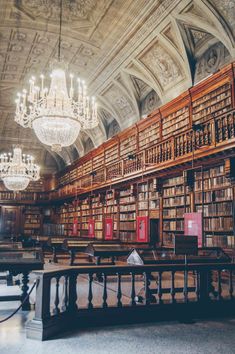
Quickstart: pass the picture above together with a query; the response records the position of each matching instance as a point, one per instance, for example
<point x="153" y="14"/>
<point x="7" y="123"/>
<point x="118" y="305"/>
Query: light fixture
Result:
<point x="56" y="114"/>
<point x="18" y="170"/>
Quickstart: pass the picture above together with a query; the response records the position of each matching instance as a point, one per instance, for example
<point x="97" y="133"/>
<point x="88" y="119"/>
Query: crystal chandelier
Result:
<point x="56" y="114"/>
<point x="18" y="170"/>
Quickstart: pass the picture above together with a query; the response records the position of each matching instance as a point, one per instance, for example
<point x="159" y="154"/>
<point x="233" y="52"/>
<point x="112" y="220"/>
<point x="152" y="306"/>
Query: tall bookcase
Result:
<point x="111" y="210"/>
<point x="127" y="214"/>
<point x="214" y="198"/>
<point x="96" y="203"/>
<point x="32" y="220"/>
<point x="176" y="202"/>
<point x="212" y="102"/>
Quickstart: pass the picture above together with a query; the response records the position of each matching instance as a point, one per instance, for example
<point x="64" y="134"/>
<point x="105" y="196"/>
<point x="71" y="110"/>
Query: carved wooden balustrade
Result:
<point x="167" y="291"/>
<point x="225" y="127"/>
<point x="136" y="163"/>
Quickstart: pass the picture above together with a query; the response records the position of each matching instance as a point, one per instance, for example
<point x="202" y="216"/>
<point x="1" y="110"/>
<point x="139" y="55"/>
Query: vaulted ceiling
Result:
<point x="135" y="55"/>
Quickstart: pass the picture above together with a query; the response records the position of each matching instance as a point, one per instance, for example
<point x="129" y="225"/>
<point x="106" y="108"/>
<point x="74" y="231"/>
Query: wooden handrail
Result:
<point x="56" y="310"/>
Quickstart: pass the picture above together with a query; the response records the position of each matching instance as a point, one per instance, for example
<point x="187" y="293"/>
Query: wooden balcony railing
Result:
<point x="69" y="297"/>
<point x="214" y="133"/>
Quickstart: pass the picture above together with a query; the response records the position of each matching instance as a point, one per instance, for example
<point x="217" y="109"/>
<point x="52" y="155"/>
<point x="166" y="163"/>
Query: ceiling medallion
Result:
<point x="56" y="114"/>
<point x="18" y="170"/>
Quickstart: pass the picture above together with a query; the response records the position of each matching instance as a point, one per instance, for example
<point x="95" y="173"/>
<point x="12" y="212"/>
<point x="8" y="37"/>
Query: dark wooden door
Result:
<point x="154" y="231"/>
<point x="10" y="221"/>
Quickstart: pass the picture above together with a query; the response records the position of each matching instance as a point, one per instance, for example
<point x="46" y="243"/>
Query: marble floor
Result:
<point x="207" y="336"/>
<point x="201" y="337"/>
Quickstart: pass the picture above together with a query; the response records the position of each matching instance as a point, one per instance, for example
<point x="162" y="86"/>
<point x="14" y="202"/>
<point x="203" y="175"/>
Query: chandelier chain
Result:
<point x="59" y="44"/>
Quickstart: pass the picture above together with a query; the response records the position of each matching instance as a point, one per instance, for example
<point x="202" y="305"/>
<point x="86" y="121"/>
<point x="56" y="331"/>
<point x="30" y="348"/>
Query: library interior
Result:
<point x="117" y="176"/>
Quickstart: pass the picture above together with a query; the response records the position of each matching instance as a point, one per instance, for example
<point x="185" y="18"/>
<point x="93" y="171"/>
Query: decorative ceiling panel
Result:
<point x="100" y="40"/>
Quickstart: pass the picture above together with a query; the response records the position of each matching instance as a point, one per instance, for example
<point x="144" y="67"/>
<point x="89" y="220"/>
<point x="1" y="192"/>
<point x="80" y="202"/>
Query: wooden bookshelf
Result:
<point x="212" y="103"/>
<point x="111" y="210"/>
<point x="85" y="216"/>
<point x="128" y="146"/>
<point x="32" y="221"/>
<point x="127" y="214"/>
<point x="149" y="134"/>
<point x="139" y="172"/>
<point x="214" y="197"/>
<point x="175" y="203"/>
<point x="96" y="202"/>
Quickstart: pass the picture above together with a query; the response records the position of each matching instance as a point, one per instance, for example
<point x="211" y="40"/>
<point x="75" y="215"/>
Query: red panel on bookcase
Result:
<point x="193" y="226"/>
<point x="91" y="228"/>
<point x="75" y="227"/>
<point x="108" y="229"/>
<point x="142" y="229"/>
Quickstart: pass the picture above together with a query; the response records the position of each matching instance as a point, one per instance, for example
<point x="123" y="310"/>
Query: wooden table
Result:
<point x="166" y="255"/>
<point x="110" y="251"/>
<point x="74" y="246"/>
<point x="20" y="261"/>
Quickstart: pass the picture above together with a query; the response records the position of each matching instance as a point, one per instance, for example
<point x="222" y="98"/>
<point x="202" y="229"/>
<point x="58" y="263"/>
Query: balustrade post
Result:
<point x="213" y="132"/>
<point x="173" y="148"/>
<point x="72" y="303"/>
<point x="105" y="174"/>
<point x="43" y="296"/>
<point x="204" y="285"/>
<point x="147" y="289"/>
<point x="122" y="168"/>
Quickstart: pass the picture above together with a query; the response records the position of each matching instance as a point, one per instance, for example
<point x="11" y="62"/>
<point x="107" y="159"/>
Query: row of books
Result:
<point x="173" y="181"/>
<point x="127" y="225"/>
<point x="128" y="216"/>
<point x="128" y="207"/>
<point x="217" y="109"/>
<point x="143" y="205"/>
<point x="154" y="204"/>
<point x="211" y="183"/>
<point x="110" y="209"/>
<point x="174" y="225"/>
<point x="208" y="96"/>
<point x="217" y="209"/>
<point x="126" y="236"/>
<point x="173" y="190"/>
<point x="214" y="196"/>
<point x="143" y="196"/>
<point x="220" y="223"/>
<point x="220" y="241"/>
<point x="212" y="102"/>
<point x="176" y="201"/>
<point x="174" y="213"/>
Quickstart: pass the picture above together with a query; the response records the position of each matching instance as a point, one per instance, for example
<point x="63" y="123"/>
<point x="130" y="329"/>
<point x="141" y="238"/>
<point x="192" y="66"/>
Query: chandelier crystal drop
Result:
<point x="56" y="115"/>
<point x="18" y="170"/>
